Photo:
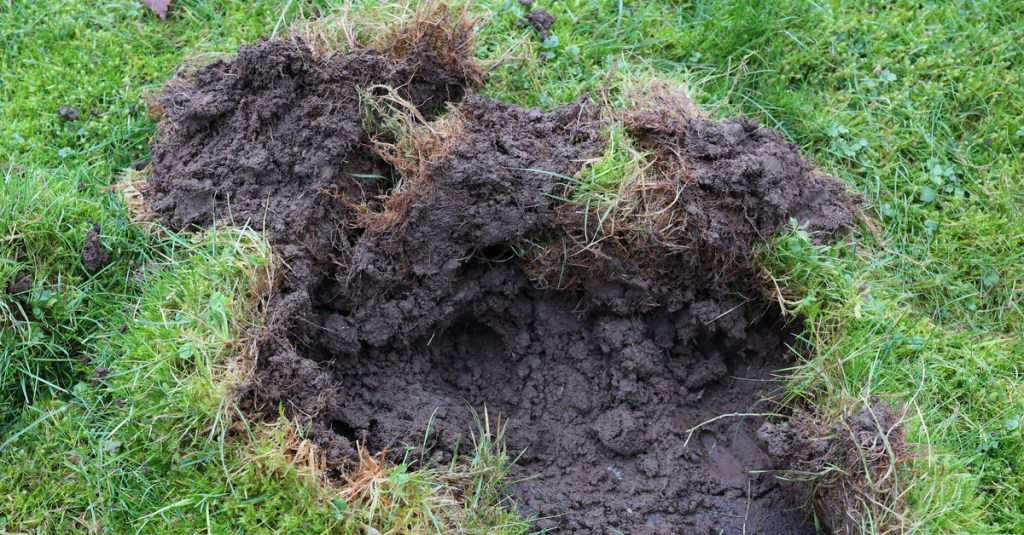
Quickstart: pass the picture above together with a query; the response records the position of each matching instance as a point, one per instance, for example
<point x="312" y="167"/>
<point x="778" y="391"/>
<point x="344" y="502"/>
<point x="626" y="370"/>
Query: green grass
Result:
<point x="918" y="106"/>
<point x="601" y="181"/>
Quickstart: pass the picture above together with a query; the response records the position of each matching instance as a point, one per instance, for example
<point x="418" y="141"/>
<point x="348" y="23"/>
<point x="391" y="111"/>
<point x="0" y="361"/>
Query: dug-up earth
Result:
<point x="441" y="269"/>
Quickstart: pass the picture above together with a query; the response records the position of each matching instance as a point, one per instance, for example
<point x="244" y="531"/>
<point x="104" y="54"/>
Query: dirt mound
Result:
<point x="399" y="316"/>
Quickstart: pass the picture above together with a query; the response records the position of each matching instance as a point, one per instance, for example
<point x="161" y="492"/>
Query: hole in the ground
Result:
<point x="601" y="404"/>
<point x="343" y="429"/>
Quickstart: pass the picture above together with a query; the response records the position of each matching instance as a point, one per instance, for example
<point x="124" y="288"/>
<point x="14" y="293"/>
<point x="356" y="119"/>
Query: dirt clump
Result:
<point x="844" y="472"/>
<point x="94" y="256"/>
<point x="21" y="284"/>
<point x="68" y="113"/>
<point x="542" y="21"/>
<point x="410" y="298"/>
<point x="712" y="191"/>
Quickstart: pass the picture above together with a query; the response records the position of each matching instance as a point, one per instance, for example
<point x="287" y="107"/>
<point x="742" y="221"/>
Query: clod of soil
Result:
<point x="542" y="21"/>
<point x="408" y="300"/>
<point x="68" y="113"/>
<point x="855" y="460"/>
<point x="21" y="284"/>
<point x="94" y="256"/>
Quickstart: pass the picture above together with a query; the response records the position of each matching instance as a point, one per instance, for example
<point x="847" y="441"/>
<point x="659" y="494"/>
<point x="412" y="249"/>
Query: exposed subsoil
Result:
<point x="377" y="331"/>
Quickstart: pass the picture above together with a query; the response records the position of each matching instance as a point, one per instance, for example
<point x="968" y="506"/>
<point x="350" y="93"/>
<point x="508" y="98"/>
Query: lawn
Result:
<point x="115" y="406"/>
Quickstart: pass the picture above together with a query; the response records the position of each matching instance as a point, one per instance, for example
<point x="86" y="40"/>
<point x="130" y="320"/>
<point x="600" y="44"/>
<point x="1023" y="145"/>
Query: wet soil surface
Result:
<point x="378" y="332"/>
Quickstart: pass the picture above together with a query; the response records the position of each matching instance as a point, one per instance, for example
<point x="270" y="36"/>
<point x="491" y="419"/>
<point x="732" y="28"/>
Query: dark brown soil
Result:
<point x="21" y="284"/>
<point x="94" y="256"/>
<point x="68" y="113"/>
<point x="854" y="460"/>
<point x="379" y="332"/>
<point x="542" y="21"/>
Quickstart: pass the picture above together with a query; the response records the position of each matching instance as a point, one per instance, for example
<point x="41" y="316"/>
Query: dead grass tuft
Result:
<point x="413" y="145"/>
<point x="658" y="106"/>
<point x="133" y="188"/>
<point x="655" y="113"/>
<point x="447" y="32"/>
<point x="376" y="495"/>
<point x="367" y="480"/>
<point x="408" y="30"/>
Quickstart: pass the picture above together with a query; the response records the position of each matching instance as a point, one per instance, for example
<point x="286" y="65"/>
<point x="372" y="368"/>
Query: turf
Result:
<point x="112" y="384"/>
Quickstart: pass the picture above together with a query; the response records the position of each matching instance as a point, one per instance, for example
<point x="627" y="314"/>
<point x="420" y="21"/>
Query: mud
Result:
<point x="380" y="332"/>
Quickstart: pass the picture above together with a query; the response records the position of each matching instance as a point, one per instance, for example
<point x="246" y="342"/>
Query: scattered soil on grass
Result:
<point x="94" y="256"/>
<point x="17" y="290"/>
<point x="379" y="332"/>
<point x="542" y="21"/>
<point x="68" y="113"/>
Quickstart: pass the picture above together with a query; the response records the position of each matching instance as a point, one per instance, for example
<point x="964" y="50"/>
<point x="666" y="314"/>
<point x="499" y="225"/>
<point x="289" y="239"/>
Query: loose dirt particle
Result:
<point x="98" y="375"/>
<point x="21" y="284"/>
<point x="68" y="113"/>
<point x="94" y="256"/>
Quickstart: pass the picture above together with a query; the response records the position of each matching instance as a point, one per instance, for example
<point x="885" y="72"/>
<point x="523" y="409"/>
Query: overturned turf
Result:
<point x="395" y="318"/>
